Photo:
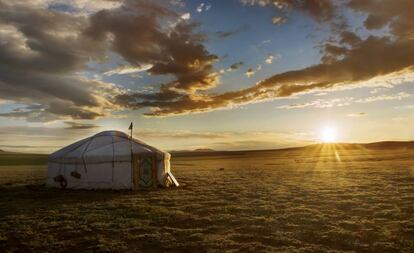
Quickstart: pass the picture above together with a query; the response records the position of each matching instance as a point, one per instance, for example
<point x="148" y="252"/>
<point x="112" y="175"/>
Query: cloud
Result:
<point x="179" y="3"/>
<point x="404" y="107"/>
<point x="261" y="45"/>
<point x="203" y="7"/>
<point x="46" y="138"/>
<point x="321" y="103"/>
<point x="357" y="115"/>
<point x="235" y="66"/>
<point x="379" y="89"/>
<point x="348" y="62"/>
<point x="53" y="111"/>
<point x="270" y="58"/>
<point x="264" y="140"/>
<point x="176" y="51"/>
<point x="75" y="7"/>
<point x="250" y="72"/>
<point x="46" y="50"/>
<point x="226" y="140"/>
<point x="79" y="126"/>
<point x="128" y="69"/>
<point x="43" y="51"/>
<point x="398" y="96"/>
<point x="279" y="20"/>
<point x="339" y="102"/>
<point x="31" y="115"/>
<point x="150" y="133"/>
<point x="26" y="146"/>
<point x="185" y="16"/>
<point x="226" y="34"/>
<point x="40" y="53"/>
<point x="352" y="68"/>
<point x="320" y="10"/>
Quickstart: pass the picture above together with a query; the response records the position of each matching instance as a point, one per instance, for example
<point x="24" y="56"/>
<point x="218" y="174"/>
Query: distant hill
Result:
<point x="14" y="158"/>
<point x="4" y="152"/>
<point x="348" y="146"/>
<point x="199" y="150"/>
<point x="372" y="145"/>
<point x="204" y="150"/>
<point x="391" y="144"/>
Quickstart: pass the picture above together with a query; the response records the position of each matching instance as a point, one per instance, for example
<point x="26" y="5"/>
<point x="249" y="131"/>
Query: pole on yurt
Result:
<point x="130" y="128"/>
<point x="132" y="157"/>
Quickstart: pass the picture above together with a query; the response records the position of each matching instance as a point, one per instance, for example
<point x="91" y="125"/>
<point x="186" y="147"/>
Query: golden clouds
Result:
<point x="348" y="61"/>
<point x="46" y="52"/>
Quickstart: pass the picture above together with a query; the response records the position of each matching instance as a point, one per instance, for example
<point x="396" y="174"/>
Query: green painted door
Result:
<point x="147" y="172"/>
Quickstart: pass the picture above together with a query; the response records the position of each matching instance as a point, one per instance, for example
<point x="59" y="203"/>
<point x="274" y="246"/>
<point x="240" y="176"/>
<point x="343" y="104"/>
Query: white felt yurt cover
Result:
<point x="104" y="161"/>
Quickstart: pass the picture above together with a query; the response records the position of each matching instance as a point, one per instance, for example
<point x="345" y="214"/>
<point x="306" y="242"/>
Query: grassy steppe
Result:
<point x="22" y="159"/>
<point x="319" y="199"/>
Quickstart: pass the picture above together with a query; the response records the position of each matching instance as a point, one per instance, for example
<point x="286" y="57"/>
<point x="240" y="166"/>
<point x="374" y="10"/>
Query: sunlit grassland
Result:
<point x="318" y="199"/>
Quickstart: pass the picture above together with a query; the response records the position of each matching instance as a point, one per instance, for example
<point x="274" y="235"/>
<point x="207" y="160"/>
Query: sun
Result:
<point x="328" y="134"/>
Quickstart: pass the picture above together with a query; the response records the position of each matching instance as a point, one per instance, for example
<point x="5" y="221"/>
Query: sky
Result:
<point x="219" y="74"/>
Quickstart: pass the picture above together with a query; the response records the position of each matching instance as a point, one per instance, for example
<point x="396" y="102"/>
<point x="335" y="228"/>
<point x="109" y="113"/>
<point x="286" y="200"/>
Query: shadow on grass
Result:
<point x="27" y="198"/>
<point x="39" y="219"/>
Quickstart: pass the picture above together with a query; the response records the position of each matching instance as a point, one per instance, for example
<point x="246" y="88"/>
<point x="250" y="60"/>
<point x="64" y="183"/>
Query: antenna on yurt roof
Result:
<point x="130" y="128"/>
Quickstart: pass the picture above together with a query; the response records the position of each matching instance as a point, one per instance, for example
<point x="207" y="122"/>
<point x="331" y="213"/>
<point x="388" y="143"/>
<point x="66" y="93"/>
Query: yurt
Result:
<point x="109" y="160"/>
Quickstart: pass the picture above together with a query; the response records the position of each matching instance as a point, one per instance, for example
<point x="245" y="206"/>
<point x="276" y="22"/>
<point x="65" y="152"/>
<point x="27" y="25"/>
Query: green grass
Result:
<point x="318" y="201"/>
<point x="22" y="159"/>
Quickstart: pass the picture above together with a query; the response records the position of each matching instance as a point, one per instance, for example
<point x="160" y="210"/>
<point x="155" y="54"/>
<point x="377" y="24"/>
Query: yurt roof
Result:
<point x="105" y="146"/>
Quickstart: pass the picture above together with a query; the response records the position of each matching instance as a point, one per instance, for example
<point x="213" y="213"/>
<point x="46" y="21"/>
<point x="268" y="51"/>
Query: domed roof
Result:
<point x="106" y="146"/>
<point x="112" y="133"/>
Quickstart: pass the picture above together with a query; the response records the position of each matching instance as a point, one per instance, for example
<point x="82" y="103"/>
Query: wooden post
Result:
<point x="133" y="164"/>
